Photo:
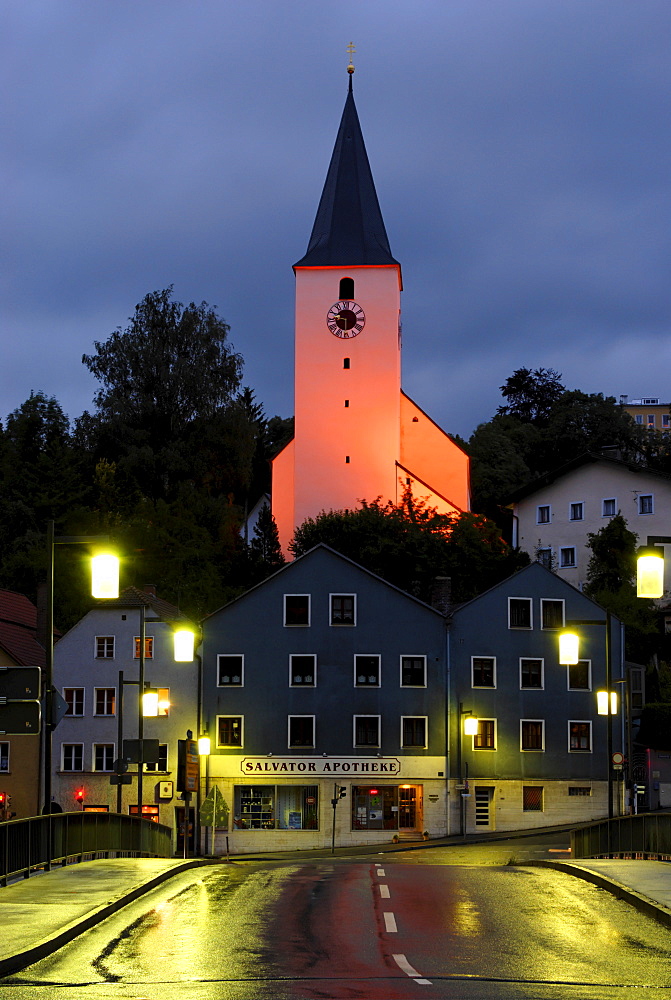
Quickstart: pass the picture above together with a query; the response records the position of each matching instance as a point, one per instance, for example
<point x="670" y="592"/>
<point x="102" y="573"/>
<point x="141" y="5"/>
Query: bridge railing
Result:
<point x="27" y="845"/>
<point x="648" y="834"/>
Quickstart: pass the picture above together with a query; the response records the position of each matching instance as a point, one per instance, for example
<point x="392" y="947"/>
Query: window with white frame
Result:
<point x="105" y="701"/>
<point x="531" y="673"/>
<point x="366" y="730"/>
<point x="666" y="420"/>
<point x="103" y="756"/>
<point x="296" y="609"/>
<point x="74" y="699"/>
<point x="483" y="671"/>
<point x="576" y="511"/>
<point x="367" y="670"/>
<point x="543" y="514"/>
<point x="580" y="737"/>
<point x="645" y="503"/>
<point x="301" y="731"/>
<point x="162" y="762"/>
<point x="580" y="675"/>
<point x="343" y="609"/>
<point x="552" y="613"/>
<point x="413" y="671"/>
<point x="4" y="756"/>
<point x="303" y="670"/>
<point x="163" y="702"/>
<point x="544" y="557"/>
<point x="104" y="647"/>
<point x="72" y="757"/>
<point x="485" y="738"/>
<point x="148" y="647"/>
<point x="229" y="730"/>
<point x="519" y="612"/>
<point x="413" y="731"/>
<point x="532" y="734"/>
<point x="609" y="507"/>
<point x="231" y="670"/>
<point x="567" y="557"/>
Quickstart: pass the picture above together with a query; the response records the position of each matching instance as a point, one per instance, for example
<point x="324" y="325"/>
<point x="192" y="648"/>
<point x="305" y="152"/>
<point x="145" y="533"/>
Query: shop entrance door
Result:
<point x="410" y="807"/>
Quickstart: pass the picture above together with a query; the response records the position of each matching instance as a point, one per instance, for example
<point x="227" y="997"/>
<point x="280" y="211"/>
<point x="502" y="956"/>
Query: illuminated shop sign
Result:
<point x="327" y="767"/>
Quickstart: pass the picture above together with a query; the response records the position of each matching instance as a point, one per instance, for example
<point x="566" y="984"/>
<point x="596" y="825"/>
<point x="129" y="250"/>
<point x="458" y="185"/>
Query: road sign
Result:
<point x="213" y="810"/>
<point x="188" y="766"/>
<point x="59" y="707"/>
<point x="617" y="758"/>
<point x="141" y="751"/>
<point x="20" y="683"/>
<point x="120" y="765"/>
<point x="20" y="718"/>
<point x="121" y="779"/>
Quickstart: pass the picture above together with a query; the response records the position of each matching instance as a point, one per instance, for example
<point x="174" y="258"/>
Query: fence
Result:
<point x="632" y="836"/>
<point x="27" y="845"/>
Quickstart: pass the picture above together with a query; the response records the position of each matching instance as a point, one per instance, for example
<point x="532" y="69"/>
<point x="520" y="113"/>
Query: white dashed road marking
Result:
<point x="384" y="891"/>
<point x="405" y="966"/>
<point x="390" y="923"/>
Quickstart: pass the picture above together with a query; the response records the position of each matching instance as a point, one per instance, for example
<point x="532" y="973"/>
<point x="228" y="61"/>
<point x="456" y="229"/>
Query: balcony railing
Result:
<point x="646" y="835"/>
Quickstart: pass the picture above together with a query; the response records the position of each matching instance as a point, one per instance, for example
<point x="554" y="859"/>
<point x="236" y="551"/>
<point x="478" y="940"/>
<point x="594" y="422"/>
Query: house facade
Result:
<point x="540" y="753"/>
<point x="96" y="670"/>
<point x="324" y="679"/>
<point x="553" y="515"/>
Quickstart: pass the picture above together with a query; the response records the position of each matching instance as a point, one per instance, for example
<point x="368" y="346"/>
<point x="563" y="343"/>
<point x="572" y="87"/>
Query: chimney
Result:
<point x="441" y="594"/>
<point x="149" y="588"/>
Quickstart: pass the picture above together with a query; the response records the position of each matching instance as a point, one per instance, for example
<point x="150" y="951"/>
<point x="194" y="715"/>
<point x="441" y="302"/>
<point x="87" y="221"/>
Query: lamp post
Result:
<point x="469" y="723"/>
<point x="105" y="584"/>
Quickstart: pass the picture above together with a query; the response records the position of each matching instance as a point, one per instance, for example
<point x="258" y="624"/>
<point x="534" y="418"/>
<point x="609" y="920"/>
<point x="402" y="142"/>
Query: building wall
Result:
<point x="590" y="485"/>
<point x="439" y="469"/>
<point x="21" y="780"/>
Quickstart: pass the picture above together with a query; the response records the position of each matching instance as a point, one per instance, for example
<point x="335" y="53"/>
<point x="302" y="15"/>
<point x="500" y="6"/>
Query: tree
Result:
<point x="531" y="394"/>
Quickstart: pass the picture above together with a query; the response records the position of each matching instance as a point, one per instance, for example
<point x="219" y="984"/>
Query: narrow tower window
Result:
<point x="346" y="459"/>
<point x="345" y="362"/>
<point x="346" y="288"/>
<point x="347" y="402"/>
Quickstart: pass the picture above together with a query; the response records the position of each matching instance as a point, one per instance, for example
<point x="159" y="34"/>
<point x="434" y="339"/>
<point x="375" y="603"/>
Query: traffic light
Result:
<point x="3" y="798"/>
<point x="342" y="792"/>
<point x="4" y="804"/>
<point x="79" y="797"/>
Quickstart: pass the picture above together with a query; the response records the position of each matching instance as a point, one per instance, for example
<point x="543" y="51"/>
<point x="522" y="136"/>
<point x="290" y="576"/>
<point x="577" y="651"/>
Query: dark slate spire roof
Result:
<point x="348" y="229"/>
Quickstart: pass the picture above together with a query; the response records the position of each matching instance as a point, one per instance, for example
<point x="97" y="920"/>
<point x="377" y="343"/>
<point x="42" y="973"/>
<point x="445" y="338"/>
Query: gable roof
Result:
<point x="587" y="458"/>
<point x="133" y="597"/>
<point x="288" y="567"/>
<point x="18" y="630"/>
<point x="348" y="228"/>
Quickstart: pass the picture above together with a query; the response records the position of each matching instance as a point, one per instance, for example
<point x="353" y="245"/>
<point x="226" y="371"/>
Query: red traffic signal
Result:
<point x="79" y="795"/>
<point x="3" y="799"/>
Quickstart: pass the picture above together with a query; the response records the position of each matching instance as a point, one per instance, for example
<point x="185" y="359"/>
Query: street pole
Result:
<point x="140" y="718"/>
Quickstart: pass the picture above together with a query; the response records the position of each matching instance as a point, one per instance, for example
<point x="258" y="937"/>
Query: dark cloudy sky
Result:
<point x="520" y="149"/>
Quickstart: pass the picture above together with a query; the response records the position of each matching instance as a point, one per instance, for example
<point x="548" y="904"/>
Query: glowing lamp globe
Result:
<point x="204" y="744"/>
<point x="184" y="643"/>
<point x="569" y="648"/>
<point x="470" y="726"/>
<point x="105" y="576"/>
<point x="650" y="573"/>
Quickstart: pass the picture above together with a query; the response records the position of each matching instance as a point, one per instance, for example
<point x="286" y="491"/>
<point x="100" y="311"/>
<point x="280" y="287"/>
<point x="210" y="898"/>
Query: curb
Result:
<point x="642" y="903"/>
<point x="14" y="963"/>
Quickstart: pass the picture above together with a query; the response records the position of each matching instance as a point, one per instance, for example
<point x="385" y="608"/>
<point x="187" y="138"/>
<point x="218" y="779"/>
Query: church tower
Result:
<point x="357" y="435"/>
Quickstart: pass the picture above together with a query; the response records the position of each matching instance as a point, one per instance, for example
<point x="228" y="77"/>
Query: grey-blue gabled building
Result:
<point x="540" y="755"/>
<point x="325" y="677"/>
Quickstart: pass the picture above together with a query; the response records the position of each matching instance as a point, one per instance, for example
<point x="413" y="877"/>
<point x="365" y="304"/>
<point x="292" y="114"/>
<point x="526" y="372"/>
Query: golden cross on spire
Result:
<point x="351" y="50"/>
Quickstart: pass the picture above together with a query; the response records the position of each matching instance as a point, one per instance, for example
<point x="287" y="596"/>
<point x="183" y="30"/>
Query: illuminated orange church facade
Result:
<point x="357" y="435"/>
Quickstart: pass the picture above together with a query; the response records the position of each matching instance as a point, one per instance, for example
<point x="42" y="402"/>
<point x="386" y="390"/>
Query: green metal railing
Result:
<point x="28" y="845"/>
<point x="644" y="835"/>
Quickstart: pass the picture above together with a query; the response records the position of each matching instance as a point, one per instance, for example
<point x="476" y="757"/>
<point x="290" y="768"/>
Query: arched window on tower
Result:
<point x="346" y="288"/>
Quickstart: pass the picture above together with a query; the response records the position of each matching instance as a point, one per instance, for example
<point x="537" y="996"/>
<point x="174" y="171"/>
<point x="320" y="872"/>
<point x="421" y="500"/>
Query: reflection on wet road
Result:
<point x="384" y="927"/>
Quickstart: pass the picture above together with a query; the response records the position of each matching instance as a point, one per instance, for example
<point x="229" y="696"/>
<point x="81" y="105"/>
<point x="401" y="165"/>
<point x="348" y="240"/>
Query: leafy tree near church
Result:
<point x="531" y="394"/>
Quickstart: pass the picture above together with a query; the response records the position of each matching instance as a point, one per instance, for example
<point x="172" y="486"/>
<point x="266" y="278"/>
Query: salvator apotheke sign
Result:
<point x="321" y="766"/>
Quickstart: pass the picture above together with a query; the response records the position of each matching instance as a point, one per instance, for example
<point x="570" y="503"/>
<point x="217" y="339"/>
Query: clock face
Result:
<point x="345" y="319"/>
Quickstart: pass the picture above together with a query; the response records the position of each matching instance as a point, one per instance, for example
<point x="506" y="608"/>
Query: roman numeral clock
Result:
<point x="345" y="319"/>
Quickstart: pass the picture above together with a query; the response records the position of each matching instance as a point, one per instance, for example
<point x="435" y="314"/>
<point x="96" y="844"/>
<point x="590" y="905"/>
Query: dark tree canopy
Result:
<point x="531" y="394"/>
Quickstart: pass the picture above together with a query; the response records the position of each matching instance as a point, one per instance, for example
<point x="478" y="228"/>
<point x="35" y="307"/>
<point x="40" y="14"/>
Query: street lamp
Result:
<point x="468" y="722"/>
<point x="650" y="567"/>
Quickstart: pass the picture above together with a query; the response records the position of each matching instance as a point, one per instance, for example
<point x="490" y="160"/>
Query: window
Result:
<point x="303" y="670"/>
<point x="367" y="671"/>
<point x="230" y="669"/>
<point x="579" y="790"/>
<point x="519" y="612"/>
<point x="609" y="507"/>
<point x="104" y="647"/>
<point x="552" y="613"/>
<point x="229" y="730"/>
<point x="579" y="676"/>
<point x="296" y="609"/>
<point x="366" y="730"/>
<point x="639" y="418"/>
<point x="376" y="807"/>
<point x="532" y="798"/>
<point x="666" y="420"/>
<point x="271" y="807"/>
<point x="567" y="557"/>
<point x="651" y="420"/>
<point x="543" y="514"/>
<point x="645" y="504"/>
<point x="483" y="671"/>
<point x="343" y="609"/>
<point x="345" y="362"/>
<point x="485" y="739"/>
<point x="413" y="731"/>
<point x="636" y="687"/>
<point x="103" y="756"/>
<point x="75" y="700"/>
<point x="72" y="757"/>
<point x="575" y="512"/>
<point x="162" y="763"/>
<point x="531" y="673"/>
<point x="163" y="702"/>
<point x="532" y="732"/>
<point x="148" y="647"/>
<point x="544" y="557"/>
<point x="413" y="671"/>
<point x="105" y="701"/>
<point x="301" y="730"/>
<point x="580" y="736"/>
<point x="4" y="757"/>
<point x="346" y="290"/>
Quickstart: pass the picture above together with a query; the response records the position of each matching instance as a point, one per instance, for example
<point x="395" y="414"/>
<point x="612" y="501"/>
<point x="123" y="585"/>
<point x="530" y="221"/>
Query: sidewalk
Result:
<point x="41" y="914"/>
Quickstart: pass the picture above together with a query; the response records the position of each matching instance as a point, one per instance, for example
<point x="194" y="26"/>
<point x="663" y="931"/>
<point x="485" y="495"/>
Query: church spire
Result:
<point x="348" y="228"/>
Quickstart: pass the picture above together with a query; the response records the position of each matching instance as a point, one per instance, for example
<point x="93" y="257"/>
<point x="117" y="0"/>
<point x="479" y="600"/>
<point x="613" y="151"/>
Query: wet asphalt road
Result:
<point x="457" y="922"/>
